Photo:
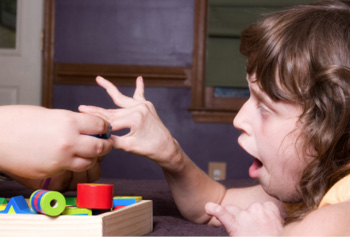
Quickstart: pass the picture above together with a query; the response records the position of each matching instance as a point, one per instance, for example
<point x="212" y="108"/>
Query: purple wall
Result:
<point x="136" y="32"/>
<point x="142" y="32"/>
<point x="202" y="142"/>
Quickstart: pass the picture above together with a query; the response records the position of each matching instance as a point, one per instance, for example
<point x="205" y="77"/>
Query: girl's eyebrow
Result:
<point x="259" y="95"/>
<point x="262" y="97"/>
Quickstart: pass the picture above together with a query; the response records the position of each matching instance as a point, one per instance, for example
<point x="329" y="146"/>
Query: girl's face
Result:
<point x="270" y="133"/>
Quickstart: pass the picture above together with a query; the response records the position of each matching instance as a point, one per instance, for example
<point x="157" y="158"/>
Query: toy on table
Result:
<point x="70" y="210"/>
<point x="51" y="203"/>
<point x="91" y="198"/>
<point x="104" y="136"/>
<point x="95" y="196"/>
<point x="123" y="201"/>
<point x="71" y="201"/>
<point x="17" y="205"/>
<point x="3" y="201"/>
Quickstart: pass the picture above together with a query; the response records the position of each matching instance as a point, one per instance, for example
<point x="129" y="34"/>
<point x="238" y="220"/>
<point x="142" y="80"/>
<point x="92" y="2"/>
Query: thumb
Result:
<point x="124" y="143"/>
<point x="225" y="216"/>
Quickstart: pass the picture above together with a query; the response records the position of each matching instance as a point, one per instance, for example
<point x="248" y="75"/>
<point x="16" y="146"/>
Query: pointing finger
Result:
<point x="118" y="98"/>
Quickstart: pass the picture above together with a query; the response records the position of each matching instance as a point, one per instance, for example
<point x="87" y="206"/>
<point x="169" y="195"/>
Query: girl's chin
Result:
<point x="254" y="169"/>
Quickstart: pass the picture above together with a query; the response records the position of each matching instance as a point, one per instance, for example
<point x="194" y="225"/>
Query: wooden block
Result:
<point x="95" y="196"/>
<point x="125" y="200"/>
<point x="134" y="220"/>
<point x="137" y="198"/>
<point x="71" y="201"/>
<point x="117" y="207"/>
<point x="47" y="202"/>
<point x="2" y="207"/>
<point x="77" y="211"/>
<point x="17" y="205"/>
<point x="3" y="200"/>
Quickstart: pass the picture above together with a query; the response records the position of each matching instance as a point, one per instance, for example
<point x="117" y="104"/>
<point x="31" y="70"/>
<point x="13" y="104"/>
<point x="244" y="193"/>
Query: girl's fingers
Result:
<point x="118" y="98"/>
<point x="226" y="217"/>
<point x="88" y="109"/>
<point x="118" y="142"/>
<point x="127" y="143"/>
<point x="119" y="118"/>
<point x="140" y="90"/>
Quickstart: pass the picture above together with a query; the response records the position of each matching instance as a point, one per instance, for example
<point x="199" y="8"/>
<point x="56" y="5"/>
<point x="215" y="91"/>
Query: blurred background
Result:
<point x="186" y="50"/>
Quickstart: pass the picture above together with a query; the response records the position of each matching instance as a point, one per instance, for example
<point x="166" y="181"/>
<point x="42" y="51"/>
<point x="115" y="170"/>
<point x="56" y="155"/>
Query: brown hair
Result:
<point x="308" y="48"/>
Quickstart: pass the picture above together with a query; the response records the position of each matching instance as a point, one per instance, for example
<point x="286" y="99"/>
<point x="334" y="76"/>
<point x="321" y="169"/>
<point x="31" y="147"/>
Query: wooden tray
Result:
<point x="135" y="220"/>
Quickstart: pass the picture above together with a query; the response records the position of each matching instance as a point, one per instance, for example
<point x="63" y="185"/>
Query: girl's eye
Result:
<point x="262" y="108"/>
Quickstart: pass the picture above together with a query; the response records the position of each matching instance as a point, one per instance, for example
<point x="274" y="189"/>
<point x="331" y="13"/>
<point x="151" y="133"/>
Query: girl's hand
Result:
<point x="148" y="136"/>
<point x="259" y="219"/>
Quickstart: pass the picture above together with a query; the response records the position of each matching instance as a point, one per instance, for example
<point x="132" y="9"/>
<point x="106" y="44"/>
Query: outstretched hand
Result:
<point x="259" y="219"/>
<point x="147" y="136"/>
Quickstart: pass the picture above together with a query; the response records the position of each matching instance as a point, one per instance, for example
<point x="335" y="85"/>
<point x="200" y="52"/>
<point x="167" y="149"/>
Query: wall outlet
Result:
<point x="217" y="170"/>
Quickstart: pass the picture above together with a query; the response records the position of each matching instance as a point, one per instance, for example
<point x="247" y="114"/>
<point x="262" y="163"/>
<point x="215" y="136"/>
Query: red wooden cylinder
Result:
<point x="95" y="196"/>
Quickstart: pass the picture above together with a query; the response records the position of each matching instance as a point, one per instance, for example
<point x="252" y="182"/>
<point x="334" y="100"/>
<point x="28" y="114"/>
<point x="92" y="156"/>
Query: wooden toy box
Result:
<point x="135" y="220"/>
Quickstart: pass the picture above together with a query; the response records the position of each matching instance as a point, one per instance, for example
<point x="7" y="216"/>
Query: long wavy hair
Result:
<point x="302" y="55"/>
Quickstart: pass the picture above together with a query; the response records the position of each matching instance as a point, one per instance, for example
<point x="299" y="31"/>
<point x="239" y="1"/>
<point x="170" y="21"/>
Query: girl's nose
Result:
<point x="241" y="120"/>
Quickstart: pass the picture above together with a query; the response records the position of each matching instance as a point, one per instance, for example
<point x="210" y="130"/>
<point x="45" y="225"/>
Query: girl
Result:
<point x="295" y="124"/>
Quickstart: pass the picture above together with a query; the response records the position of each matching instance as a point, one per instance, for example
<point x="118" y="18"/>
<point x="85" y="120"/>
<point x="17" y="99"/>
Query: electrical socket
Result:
<point x="217" y="170"/>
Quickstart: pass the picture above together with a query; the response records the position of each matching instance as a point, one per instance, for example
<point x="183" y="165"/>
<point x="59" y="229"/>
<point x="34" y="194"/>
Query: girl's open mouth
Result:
<point x="254" y="168"/>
